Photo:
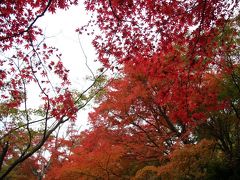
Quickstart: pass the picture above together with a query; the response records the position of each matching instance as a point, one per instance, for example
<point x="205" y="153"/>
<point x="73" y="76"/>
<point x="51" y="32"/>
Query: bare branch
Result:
<point x="86" y="59"/>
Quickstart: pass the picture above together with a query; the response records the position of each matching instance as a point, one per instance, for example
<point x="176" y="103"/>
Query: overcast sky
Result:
<point x="60" y="27"/>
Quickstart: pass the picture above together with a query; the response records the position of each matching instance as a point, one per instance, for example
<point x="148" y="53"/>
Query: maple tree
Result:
<point x="95" y="156"/>
<point x="172" y="57"/>
<point x="130" y="109"/>
<point x="100" y="154"/>
<point x="36" y="96"/>
<point x="178" y="76"/>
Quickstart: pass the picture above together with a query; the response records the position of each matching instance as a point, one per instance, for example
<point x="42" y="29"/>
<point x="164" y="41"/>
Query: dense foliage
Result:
<point x="171" y="112"/>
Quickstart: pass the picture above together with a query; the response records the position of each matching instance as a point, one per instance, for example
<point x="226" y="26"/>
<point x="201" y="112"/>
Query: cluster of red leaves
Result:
<point x="27" y="59"/>
<point x="137" y="27"/>
<point x="160" y="91"/>
<point x="18" y="19"/>
<point x="63" y="105"/>
<point x="97" y="155"/>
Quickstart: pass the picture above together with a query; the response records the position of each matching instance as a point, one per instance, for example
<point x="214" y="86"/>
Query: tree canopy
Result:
<point x="170" y="112"/>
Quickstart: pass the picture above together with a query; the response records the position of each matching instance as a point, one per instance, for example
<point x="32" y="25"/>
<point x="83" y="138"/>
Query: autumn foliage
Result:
<point x="170" y="112"/>
<point x="32" y="105"/>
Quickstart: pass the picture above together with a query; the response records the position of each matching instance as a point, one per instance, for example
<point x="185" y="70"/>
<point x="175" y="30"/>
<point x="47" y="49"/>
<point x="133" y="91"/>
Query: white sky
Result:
<point x="61" y="28"/>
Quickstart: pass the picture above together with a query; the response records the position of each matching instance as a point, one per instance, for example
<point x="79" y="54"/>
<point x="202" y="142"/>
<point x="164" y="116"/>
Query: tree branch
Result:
<point x="30" y="25"/>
